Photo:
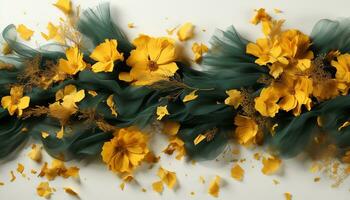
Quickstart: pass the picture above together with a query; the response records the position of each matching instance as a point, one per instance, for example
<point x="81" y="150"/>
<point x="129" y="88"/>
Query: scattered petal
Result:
<point x="13" y="177"/>
<point x="64" y="5"/>
<point x="20" y="168"/>
<point x="161" y="112"/>
<point x="158" y="186"/>
<point x="44" y="134"/>
<point x="199" y="50"/>
<point x="24" y="32"/>
<point x="131" y="25"/>
<point x="214" y="187"/>
<point x="35" y="153"/>
<point x="185" y="32"/>
<point x="270" y="165"/>
<point x="168" y="177"/>
<point x="201" y="179"/>
<point x="237" y="172"/>
<point x="277" y="11"/>
<point x="288" y="196"/>
<point x="344" y="125"/>
<point x="44" y="190"/>
<point x="199" y="139"/>
<point x="191" y="96"/>
<point x="70" y="191"/>
<point x="92" y="93"/>
<point x="60" y="133"/>
<point x="111" y="105"/>
<point x="122" y="185"/>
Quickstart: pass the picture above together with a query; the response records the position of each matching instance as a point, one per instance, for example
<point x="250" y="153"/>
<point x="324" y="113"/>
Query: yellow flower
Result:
<point x="185" y="32"/>
<point x="106" y="53"/>
<point x="246" y="131"/>
<point x="342" y="66"/>
<point x="281" y="51"/>
<point x="260" y="15"/>
<point x="326" y="89"/>
<point x="297" y="93"/>
<point x="266" y="103"/>
<point x="161" y="112"/>
<point x="54" y="33"/>
<point x="199" y="50"/>
<point x="16" y="102"/>
<point x="64" y="5"/>
<point x="125" y="151"/>
<point x="234" y="98"/>
<point x="152" y="60"/>
<point x="24" y="32"/>
<point x="74" y="62"/>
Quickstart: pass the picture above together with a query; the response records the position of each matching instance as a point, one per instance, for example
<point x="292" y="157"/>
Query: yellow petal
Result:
<point x="111" y="105"/>
<point x="270" y="165"/>
<point x="199" y="139"/>
<point x="70" y="191"/>
<point x="237" y="172"/>
<point x="185" y="32"/>
<point x="168" y="177"/>
<point x="344" y="125"/>
<point x="24" y="32"/>
<point x="44" y="190"/>
<point x="44" y="134"/>
<point x="13" y="177"/>
<point x="277" y="11"/>
<point x="191" y="96"/>
<point x="60" y="133"/>
<point x="64" y="5"/>
<point x="92" y="93"/>
<point x="125" y="76"/>
<point x="288" y="196"/>
<point x="158" y="186"/>
<point x="161" y="112"/>
<point x="214" y="187"/>
<point x="35" y="153"/>
<point x="20" y="168"/>
<point x="199" y="50"/>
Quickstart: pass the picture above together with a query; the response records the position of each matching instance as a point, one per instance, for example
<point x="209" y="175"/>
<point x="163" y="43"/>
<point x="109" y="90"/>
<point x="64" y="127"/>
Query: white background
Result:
<point x="154" y="17"/>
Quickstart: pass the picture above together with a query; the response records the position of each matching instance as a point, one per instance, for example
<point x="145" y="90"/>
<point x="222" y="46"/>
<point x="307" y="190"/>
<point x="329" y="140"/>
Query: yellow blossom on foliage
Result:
<point x="237" y="172"/>
<point x="24" y="32"/>
<point x="161" y="112"/>
<point x="260" y="15"/>
<point x="35" y="153"/>
<point x="16" y="102"/>
<point x="171" y="128"/>
<point x="158" y="186"/>
<point x="53" y="33"/>
<point x="266" y="103"/>
<point x="153" y="60"/>
<point x="74" y="62"/>
<point x="289" y="93"/>
<point x="185" y="32"/>
<point x="125" y="151"/>
<point x="270" y="165"/>
<point x="176" y="144"/>
<point x="64" y="5"/>
<point x="167" y="177"/>
<point x="199" y="50"/>
<point x="44" y="190"/>
<point x="214" y="187"/>
<point x="327" y="89"/>
<point x="282" y="51"/>
<point x="106" y="54"/>
<point x="112" y="105"/>
<point x="234" y="98"/>
<point x="246" y="131"/>
<point x="191" y="96"/>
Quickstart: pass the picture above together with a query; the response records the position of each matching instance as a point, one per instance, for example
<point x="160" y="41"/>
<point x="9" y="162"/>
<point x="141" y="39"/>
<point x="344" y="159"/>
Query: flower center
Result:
<point x="153" y="66"/>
